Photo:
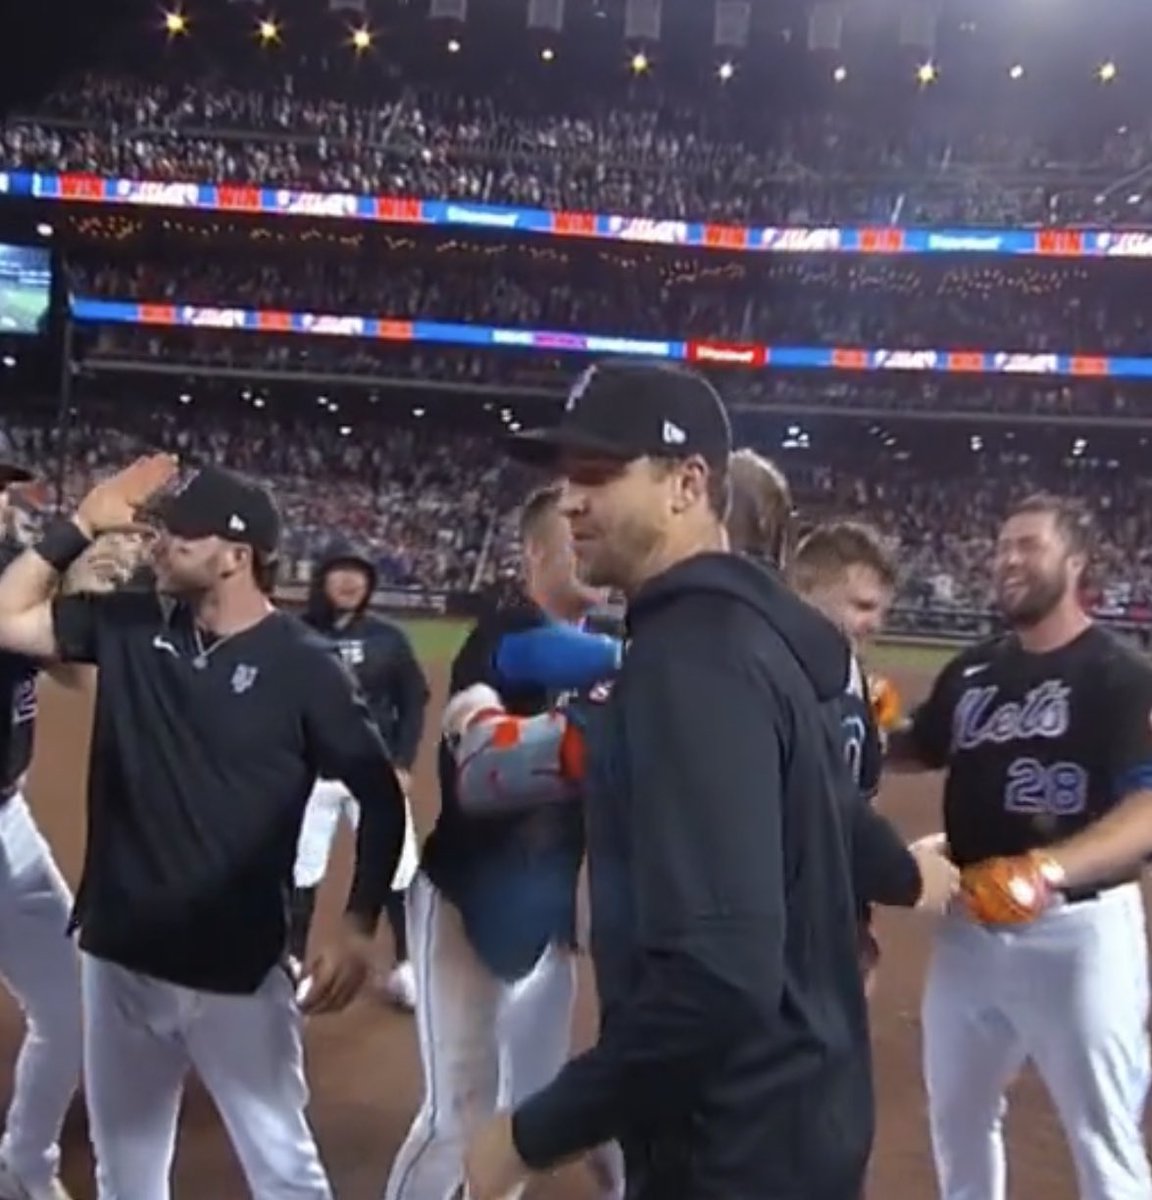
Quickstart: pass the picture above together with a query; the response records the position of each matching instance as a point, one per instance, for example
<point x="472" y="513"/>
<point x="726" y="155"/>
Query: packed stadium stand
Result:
<point x="273" y="329"/>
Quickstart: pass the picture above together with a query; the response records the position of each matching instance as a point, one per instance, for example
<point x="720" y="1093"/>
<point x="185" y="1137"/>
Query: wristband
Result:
<point x="62" y="544"/>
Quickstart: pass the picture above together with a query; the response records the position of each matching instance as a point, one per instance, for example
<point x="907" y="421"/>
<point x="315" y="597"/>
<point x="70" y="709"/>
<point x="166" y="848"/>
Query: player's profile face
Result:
<point x="618" y="514"/>
<point x="551" y="568"/>
<point x="191" y="566"/>
<point x="1033" y="568"/>
<point x="856" y="599"/>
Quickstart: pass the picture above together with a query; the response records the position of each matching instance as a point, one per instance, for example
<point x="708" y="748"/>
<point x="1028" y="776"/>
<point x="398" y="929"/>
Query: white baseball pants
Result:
<point x="484" y="1045"/>
<point x="1070" y="992"/>
<point x="141" y="1036"/>
<point x="329" y="801"/>
<point x="40" y="967"/>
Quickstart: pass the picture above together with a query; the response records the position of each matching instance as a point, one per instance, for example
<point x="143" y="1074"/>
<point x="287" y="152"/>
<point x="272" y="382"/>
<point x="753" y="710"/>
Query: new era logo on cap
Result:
<point x="237" y="524"/>
<point x="634" y="408"/>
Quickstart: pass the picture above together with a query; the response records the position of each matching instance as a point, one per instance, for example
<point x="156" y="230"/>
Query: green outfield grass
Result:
<point x="437" y="641"/>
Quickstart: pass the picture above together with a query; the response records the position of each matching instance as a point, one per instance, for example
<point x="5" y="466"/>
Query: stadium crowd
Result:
<point x="1020" y="306"/>
<point x="628" y="149"/>
<point x="435" y="507"/>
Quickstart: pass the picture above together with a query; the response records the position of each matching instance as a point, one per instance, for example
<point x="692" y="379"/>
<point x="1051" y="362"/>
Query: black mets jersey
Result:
<point x="1036" y="746"/>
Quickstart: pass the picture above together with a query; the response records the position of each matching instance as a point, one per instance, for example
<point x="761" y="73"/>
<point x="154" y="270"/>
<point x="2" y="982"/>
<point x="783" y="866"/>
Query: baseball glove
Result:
<point x="1009" y="891"/>
<point x="886" y="705"/>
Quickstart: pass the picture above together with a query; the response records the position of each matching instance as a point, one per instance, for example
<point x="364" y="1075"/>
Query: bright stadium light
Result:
<point x="175" y="22"/>
<point x="840" y="74"/>
<point x="725" y="71"/>
<point x="268" y="31"/>
<point x="361" y="39"/>
<point x="547" y="54"/>
<point x="926" y="73"/>
<point x="1015" y="71"/>
<point x="1106" y="71"/>
<point x="640" y="62"/>
<point x="453" y="46"/>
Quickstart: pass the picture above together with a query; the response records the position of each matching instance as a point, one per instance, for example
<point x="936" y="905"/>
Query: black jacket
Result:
<point x="380" y="656"/>
<point x="733" y="1061"/>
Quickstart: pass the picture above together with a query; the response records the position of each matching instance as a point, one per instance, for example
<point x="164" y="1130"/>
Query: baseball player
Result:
<point x="733" y="1052"/>
<point x="37" y="961"/>
<point x="214" y="715"/>
<point x="492" y="910"/>
<point x="380" y="656"/>
<point x="1043" y="732"/>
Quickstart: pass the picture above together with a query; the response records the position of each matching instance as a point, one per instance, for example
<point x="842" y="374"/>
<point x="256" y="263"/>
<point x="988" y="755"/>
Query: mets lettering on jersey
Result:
<point x="24" y="702"/>
<point x="1044" y="712"/>
<point x="352" y="652"/>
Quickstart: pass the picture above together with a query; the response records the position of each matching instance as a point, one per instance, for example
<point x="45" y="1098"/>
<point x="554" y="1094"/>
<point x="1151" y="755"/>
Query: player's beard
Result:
<point x="1038" y="598"/>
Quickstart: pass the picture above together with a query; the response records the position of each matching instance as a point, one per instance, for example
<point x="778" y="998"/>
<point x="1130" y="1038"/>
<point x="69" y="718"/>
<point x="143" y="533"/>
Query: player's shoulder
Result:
<point x="1113" y="662"/>
<point x="978" y="658"/>
<point x="475" y="658"/>
<point x="305" y="639"/>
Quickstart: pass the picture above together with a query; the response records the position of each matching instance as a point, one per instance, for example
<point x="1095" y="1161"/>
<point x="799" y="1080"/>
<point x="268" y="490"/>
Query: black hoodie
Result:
<point x="733" y="1061"/>
<point x="379" y="654"/>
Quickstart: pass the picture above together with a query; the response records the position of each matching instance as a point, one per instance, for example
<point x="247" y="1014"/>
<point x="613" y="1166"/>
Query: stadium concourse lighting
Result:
<point x="840" y="74"/>
<point x="926" y="73"/>
<point x="547" y="54"/>
<point x="268" y="30"/>
<point x="1106" y="72"/>
<point x="1016" y="71"/>
<point x="361" y="39"/>
<point x="175" y="22"/>
<point x="453" y="46"/>
<point x="640" y="62"/>
<point x="725" y="71"/>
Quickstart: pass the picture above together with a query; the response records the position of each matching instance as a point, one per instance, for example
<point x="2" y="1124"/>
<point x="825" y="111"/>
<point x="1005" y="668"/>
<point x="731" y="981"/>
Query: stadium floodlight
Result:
<point x="725" y="71"/>
<point x="640" y="62"/>
<point x="175" y="22"/>
<point x="1106" y="71"/>
<point x="1015" y="71"/>
<point x="361" y="39"/>
<point x="926" y="73"/>
<point x="547" y="54"/>
<point x="267" y="30"/>
<point x="453" y="46"/>
<point x="839" y="74"/>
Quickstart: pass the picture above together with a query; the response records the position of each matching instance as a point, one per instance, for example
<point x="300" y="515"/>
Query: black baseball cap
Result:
<point x="633" y="408"/>
<point x="219" y="503"/>
<point x="11" y="469"/>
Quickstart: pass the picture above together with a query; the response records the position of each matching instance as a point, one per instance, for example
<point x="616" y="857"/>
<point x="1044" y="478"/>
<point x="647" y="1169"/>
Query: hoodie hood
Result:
<point x="319" y="611"/>
<point x="821" y="649"/>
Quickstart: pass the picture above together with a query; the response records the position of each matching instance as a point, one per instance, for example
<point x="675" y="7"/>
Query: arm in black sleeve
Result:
<point x="345" y="744"/>
<point x="705" y="770"/>
<point x="924" y="741"/>
<point x="885" y="870"/>
<point x="410" y="698"/>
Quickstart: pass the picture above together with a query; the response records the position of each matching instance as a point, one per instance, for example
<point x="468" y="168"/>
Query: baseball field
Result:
<point x="363" y="1064"/>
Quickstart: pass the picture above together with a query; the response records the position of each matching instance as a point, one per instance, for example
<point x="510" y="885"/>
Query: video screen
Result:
<point x="25" y="288"/>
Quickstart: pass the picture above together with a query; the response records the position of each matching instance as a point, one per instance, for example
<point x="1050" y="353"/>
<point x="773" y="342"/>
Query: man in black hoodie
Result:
<point x="733" y="1060"/>
<point x="381" y="657"/>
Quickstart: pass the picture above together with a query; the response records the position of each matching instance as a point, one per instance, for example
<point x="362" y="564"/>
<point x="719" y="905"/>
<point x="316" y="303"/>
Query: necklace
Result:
<point x="204" y="653"/>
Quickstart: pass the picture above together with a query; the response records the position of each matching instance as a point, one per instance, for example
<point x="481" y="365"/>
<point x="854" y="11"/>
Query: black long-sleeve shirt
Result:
<point x="733" y="1058"/>
<point x="201" y="765"/>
